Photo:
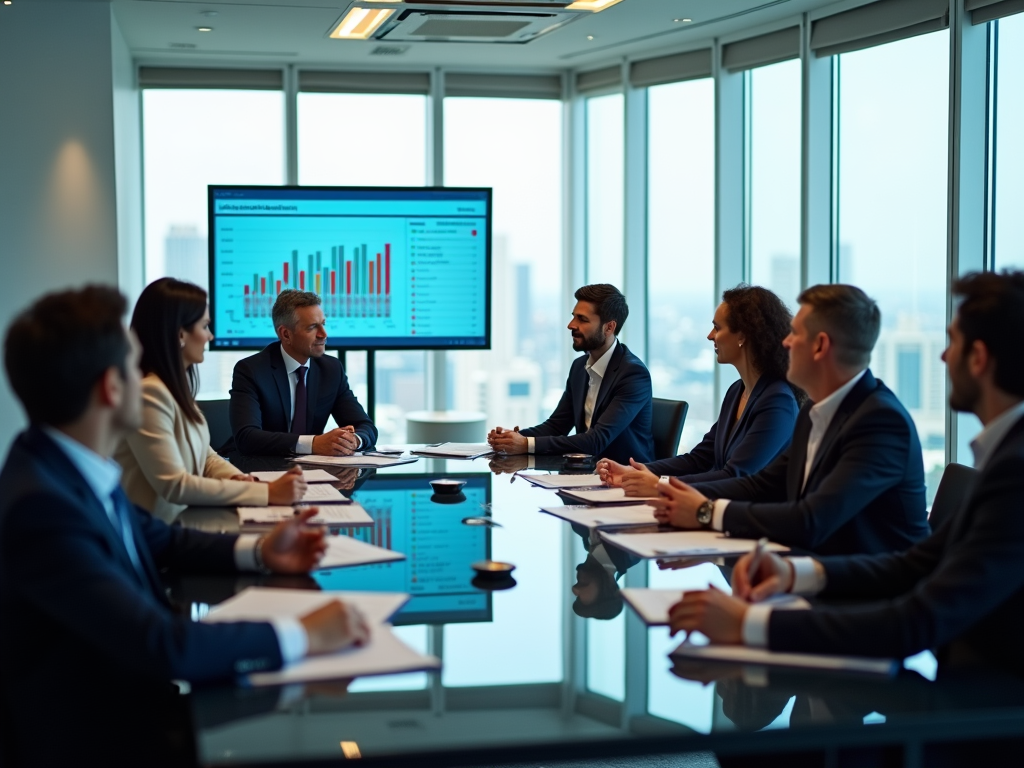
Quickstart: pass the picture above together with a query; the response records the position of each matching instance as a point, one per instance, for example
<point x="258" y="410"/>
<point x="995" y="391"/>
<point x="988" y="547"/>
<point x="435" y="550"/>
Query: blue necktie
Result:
<point x="122" y="511"/>
<point x="299" y="419"/>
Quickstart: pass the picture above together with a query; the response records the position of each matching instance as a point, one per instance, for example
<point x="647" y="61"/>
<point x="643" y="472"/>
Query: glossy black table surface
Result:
<point x="554" y="666"/>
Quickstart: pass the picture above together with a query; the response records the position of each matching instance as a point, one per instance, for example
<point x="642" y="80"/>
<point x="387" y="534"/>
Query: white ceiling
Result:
<point x="276" y="32"/>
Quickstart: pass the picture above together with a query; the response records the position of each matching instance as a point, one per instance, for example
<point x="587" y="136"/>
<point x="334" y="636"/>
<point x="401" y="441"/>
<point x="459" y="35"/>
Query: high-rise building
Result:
<point x="186" y="256"/>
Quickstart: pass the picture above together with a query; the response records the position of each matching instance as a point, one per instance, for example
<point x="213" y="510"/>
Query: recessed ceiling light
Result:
<point x="590" y="37"/>
<point x="591" y="5"/>
<point x="684" y="21"/>
<point x="7" y="2"/>
<point x="204" y="29"/>
<point x="360" y="23"/>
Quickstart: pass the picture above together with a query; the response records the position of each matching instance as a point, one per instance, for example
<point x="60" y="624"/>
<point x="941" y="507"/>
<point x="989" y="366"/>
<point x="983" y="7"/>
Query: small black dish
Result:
<point x="447" y="486"/>
<point x="578" y="459"/>
<point x="493" y="568"/>
<point x="492" y="584"/>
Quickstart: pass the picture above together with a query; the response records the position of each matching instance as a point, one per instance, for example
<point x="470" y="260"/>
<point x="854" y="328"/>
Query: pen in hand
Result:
<point x="755" y="561"/>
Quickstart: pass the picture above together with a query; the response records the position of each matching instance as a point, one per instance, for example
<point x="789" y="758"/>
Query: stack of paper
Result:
<point x="600" y="517"/>
<point x="683" y="544"/>
<point x="455" y="450"/>
<point x="357" y="461"/>
<point x="600" y="496"/>
<point x="653" y="605"/>
<point x="322" y="493"/>
<point x="343" y="551"/>
<point x="554" y="482"/>
<point x="743" y="655"/>
<point x="335" y="514"/>
<point x="385" y="654"/>
<point x="309" y="475"/>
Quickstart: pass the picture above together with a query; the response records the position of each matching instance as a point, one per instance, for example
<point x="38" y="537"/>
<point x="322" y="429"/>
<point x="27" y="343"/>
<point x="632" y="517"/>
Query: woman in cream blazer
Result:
<point x="168" y="463"/>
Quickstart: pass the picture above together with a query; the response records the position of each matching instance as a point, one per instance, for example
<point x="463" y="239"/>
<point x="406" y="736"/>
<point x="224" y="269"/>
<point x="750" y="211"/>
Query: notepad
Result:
<point x="384" y="654"/>
<point x="456" y="450"/>
<point x="653" y="605"/>
<point x="552" y="482"/>
<point x="344" y="551"/>
<point x="309" y="475"/>
<point x="601" y="496"/>
<point x="357" y="461"/>
<point x="333" y="514"/>
<point x="683" y="544"/>
<point x="743" y="655"/>
<point x="598" y="517"/>
<point x="321" y="493"/>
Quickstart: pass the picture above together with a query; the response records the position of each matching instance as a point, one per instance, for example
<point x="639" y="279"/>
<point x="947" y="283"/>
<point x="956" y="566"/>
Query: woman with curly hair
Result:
<point x="759" y="410"/>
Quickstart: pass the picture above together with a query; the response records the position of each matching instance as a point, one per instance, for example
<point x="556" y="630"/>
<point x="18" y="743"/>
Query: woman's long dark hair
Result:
<point x="165" y="308"/>
<point x="764" y="319"/>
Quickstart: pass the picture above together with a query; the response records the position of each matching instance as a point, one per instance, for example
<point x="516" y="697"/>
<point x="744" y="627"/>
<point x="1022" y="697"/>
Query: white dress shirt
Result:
<point x="103" y="475"/>
<point x="304" y="444"/>
<point x="595" y="370"/>
<point x="821" y="417"/>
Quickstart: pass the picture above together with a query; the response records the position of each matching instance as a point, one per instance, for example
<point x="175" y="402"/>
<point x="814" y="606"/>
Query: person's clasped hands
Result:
<point x="507" y="441"/>
<point x="342" y="441"/>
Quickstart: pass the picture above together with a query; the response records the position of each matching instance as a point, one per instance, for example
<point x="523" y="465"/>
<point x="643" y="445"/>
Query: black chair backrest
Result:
<point x="954" y="486"/>
<point x="667" y="419"/>
<point x="216" y="413"/>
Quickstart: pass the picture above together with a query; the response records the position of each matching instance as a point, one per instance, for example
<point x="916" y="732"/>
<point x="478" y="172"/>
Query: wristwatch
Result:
<point x="705" y="512"/>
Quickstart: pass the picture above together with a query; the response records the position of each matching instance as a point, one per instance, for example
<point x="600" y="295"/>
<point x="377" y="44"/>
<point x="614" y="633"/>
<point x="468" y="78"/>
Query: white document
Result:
<point x="744" y="655"/>
<point x="599" y="496"/>
<point x="384" y="654"/>
<point x="357" y="461"/>
<point x="263" y="603"/>
<point x="653" y="605"/>
<point x="456" y="450"/>
<point x="334" y="514"/>
<point x="684" y="544"/>
<point x="553" y="482"/>
<point x="597" y="517"/>
<point x="309" y="475"/>
<point x="321" y="493"/>
<point x="344" y="551"/>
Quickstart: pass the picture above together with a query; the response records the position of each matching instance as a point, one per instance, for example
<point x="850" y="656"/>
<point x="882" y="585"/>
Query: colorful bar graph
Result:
<point x="350" y="285"/>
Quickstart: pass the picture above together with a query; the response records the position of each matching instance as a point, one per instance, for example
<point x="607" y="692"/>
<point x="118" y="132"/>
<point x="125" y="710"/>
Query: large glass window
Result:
<point x="681" y="248"/>
<point x="893" y="116"/>
<point x="1009" y="146"/>
<point x="519" y="380"/>
<point x="348" y="139"/>
<point x="774" y="178"/>
<point x="605" y="191"/>
<point x="192" y="138"/>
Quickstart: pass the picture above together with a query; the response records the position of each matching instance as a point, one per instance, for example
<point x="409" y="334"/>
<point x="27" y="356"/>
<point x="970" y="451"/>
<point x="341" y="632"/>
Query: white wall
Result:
<point x="58" y="201"/>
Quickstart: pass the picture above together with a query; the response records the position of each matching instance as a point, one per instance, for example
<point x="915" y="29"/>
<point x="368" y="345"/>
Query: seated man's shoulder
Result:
<point x="882" y="402"/>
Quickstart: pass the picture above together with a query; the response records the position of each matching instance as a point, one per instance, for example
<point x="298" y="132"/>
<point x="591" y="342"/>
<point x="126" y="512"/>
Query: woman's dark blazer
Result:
<point x="763" y="432"/>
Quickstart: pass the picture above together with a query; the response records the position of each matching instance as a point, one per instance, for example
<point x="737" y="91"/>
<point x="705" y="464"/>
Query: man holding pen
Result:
<point x="960" y="591"/>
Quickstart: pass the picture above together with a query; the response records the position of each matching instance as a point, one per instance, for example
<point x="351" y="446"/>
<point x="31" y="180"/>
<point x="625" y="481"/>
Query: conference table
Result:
<point x="551" y="665"/>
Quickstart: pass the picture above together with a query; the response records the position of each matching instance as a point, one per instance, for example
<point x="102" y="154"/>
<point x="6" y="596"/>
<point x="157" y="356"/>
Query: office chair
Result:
<point x="216" y="413"/>
<point x="667" y="418"/>
<point x="954" y="486"/>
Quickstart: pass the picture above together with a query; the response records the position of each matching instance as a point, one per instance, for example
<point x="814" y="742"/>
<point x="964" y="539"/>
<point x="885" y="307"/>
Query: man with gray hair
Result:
<point x="852" y="479"/>
<point x="281" y="397"/>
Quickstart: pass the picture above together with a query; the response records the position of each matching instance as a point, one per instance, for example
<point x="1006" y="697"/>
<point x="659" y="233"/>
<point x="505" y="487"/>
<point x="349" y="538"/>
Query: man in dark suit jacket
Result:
<point x="607" y="397"/>
<point x="960" y="591"/>
<point x="281" y="397"/>
<point x="852" y="480"/>
<point x="89" y="638"/>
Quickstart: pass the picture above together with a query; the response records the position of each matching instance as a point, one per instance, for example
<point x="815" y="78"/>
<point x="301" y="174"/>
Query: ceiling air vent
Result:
<point x="389" y="50"/>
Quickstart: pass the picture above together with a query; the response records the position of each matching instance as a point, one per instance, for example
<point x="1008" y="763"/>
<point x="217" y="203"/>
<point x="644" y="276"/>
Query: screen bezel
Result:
<point x="217" y="346"/>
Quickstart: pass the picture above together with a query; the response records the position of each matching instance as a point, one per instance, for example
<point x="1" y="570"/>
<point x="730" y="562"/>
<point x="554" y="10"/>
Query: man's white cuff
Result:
<point x="718" y="516"/>
<point x="304" y="444"/>
<point x="291" y="638"/>
<point x="808" y="576"/>
<point x="755" y="625"/>
<point x="245" y="552"/>
<point x="531" y="445"/>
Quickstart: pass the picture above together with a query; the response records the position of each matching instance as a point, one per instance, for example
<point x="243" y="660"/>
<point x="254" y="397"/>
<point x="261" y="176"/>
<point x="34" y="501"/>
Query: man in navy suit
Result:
<point x="607" y="397"/>
<point x="961" y="590"/>
<point x="89" y="638"/>
<point x="281" y="397"/>
<point x="852" y="479"/>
